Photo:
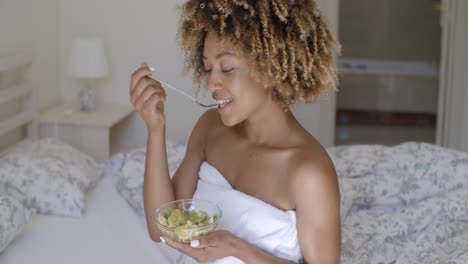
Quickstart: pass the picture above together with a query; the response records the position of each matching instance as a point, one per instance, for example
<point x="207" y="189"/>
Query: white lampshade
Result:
<point x="87" y="59"/>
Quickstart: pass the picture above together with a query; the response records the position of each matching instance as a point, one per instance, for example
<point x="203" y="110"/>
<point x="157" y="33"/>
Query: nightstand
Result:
<point x="90" y="132"/>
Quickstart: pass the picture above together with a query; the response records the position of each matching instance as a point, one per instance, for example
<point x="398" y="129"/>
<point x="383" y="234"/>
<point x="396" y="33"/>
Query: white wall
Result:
<point x="399" y="30"/>
<point x="464" y="117"/>
<point x="464" y="113"/>
<point x="145" y="31"/>
<point x="31" y="27"/>
<point x="453" y="97"/>
<point x="133" y="32"/>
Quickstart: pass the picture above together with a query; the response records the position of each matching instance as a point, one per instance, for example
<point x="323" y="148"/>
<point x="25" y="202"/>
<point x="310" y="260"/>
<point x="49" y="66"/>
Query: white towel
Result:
<point x="249" y="218"/>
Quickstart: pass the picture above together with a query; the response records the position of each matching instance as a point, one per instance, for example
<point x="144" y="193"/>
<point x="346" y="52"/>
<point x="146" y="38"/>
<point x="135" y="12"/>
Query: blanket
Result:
<point x="405" y="204"/>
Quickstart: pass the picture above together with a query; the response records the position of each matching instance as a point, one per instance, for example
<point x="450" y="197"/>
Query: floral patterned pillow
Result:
<point x="130" y="173"/>
<point x="13" y="218"/>
<point x="49" y="176"/>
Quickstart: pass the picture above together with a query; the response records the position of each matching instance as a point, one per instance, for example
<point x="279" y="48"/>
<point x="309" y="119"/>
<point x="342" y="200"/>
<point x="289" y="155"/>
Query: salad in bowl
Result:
<point x="184" y="220"/>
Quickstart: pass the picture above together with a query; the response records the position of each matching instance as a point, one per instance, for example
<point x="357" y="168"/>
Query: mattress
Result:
<point x="110" y="232"/>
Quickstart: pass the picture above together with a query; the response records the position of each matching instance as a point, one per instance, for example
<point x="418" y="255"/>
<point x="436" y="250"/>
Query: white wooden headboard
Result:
<point x="22" y="91"/>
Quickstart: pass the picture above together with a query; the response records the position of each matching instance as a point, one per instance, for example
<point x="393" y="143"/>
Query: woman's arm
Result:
<point x="316" y="196"/>
<point x="158" y="187"/>
<point x="148" y="97"/>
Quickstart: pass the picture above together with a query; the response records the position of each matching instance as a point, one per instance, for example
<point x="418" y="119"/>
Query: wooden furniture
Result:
<point x="90" y="132"/>
<point x="18" y="100"/>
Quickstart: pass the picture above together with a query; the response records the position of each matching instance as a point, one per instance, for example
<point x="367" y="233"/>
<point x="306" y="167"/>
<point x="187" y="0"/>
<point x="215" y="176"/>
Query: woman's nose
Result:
<point x="213" y="82"/>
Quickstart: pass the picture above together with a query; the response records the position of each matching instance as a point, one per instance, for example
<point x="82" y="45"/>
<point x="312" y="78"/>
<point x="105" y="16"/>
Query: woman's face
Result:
<point x="228" y="78"/>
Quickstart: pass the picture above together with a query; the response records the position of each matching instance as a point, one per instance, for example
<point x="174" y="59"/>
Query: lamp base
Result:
<point x="87" y="99"/>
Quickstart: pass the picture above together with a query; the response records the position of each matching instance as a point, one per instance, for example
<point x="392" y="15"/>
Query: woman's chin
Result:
<point x="229" y="121"/>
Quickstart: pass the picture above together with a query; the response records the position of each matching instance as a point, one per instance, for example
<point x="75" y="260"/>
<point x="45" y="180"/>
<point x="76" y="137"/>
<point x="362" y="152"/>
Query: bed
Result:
<point x="402" y="204"/>
<point x="109" y="233"/>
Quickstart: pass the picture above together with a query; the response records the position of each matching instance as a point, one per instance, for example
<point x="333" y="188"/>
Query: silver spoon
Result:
<point x="165" y="85"/>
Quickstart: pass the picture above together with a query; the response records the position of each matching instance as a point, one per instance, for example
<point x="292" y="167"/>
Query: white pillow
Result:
<point x="13" y="218"/>
<point x="130" y="173"/>
<point x="49" y="176"/>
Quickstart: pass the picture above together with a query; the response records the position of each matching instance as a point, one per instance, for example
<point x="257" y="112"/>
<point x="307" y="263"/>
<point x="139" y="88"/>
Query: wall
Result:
<point x="133" y="32"/>
<point x="453" y="122"/>
<point x="390" y="29"/>
<point x="388" y="93"/>
<point x="145" y="32"/>
<point x="464" y="112"/>
<point x="464" y="115"/>
<point x="31" y="27"/>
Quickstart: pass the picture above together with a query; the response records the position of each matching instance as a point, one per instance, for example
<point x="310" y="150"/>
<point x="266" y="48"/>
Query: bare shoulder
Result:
<point x="316" y="197"/>
<point x="205" y="124"/>
<point x="313" y="172"/>
<point x="210" y="117"/>
<point x="204" y="131"/>
<point x="186" y="177"/>
<point x="208" y="121"/>
<point x="312" y="160"/>
<point x="199" y="137"/>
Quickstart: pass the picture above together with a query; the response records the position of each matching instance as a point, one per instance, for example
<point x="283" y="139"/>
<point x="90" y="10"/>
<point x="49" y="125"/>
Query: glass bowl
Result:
<point x="184" y="220"/>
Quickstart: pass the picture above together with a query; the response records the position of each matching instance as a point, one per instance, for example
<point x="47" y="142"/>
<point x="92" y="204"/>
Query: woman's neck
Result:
<point x="270" y="125"/>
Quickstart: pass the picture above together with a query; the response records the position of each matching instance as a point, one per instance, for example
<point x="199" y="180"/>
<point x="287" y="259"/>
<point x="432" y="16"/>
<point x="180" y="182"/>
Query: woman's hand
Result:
<point x="216" y="245"/>
<point x="148" y="97"/>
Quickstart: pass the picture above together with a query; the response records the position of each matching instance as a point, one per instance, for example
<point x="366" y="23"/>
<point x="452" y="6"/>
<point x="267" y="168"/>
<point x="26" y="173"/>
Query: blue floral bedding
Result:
<point x="404" y="204"/>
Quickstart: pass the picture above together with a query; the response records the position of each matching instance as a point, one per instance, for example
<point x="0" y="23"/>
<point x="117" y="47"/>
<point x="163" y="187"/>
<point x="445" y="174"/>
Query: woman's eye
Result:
<point x="207" y="71"/>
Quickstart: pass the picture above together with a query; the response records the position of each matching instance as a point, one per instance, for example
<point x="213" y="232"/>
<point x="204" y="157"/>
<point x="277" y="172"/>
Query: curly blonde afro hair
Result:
<point x="288" y="41"/>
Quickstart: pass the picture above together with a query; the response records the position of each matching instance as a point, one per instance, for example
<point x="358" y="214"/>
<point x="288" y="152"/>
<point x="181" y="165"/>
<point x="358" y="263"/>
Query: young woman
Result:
<point x="250" y="155"/>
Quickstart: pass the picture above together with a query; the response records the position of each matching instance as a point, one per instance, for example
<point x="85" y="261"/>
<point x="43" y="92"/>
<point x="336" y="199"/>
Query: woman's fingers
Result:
<point x="143" y="97"/>
<point x="142" y="72"/>
<point x="150" y="95"/>
<point x="184" y="248"/>
<point x="210" y="240"/>
<point x="143" y="85"/>
<point x="154" y="102"/>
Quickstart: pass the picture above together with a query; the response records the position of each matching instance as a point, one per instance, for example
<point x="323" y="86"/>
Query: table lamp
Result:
<point x="88" y="62"/>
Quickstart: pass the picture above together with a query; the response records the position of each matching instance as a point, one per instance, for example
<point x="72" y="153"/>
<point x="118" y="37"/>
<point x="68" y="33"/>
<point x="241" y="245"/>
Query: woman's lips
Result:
<point x="223" y="103"/>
